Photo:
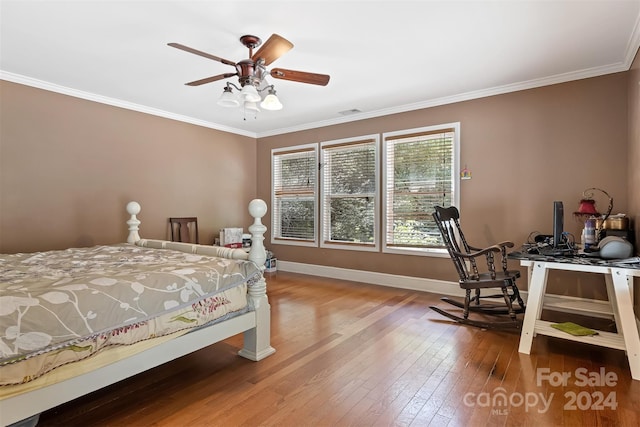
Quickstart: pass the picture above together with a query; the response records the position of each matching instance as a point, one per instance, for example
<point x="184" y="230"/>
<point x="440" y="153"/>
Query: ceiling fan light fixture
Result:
<point x="228" y="98"/>
<point x="250" y="94"/>
<point x="251" y="106"/>
<point x="271" y="101"/>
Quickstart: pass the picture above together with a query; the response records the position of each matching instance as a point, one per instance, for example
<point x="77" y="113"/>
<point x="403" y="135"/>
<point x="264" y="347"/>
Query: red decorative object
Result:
<point x="587" y="207"/>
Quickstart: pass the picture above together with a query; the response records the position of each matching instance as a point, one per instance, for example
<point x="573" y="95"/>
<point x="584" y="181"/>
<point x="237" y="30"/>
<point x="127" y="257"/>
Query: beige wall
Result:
<point x="525" y="150"/>
<point x="633" y="158"/>
<point x="69" y="166"/>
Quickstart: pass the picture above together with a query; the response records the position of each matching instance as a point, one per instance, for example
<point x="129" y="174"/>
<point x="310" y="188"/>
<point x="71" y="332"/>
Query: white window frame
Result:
<point x="275" y="239"/>
<point x="455" y="179"/>
<point x="324" y="226"/>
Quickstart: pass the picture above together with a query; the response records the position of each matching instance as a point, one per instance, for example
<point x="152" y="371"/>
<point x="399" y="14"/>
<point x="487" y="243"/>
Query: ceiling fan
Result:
<point x="251" y="72"/>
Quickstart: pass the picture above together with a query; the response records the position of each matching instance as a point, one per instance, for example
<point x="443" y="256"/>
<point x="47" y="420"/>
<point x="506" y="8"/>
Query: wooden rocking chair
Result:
<point x="472" y="278"/>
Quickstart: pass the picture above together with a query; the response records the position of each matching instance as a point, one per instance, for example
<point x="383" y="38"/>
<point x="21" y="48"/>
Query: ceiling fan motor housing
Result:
<point x="247" y="72"/>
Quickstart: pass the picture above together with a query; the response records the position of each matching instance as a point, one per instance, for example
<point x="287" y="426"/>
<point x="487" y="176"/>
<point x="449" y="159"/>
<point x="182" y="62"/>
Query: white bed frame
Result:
<point x="256" y="326"/>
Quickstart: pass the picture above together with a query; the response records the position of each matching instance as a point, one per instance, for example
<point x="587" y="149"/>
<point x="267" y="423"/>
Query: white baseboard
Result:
<point x="383" y="279"/>
<point x="442" y="287"/>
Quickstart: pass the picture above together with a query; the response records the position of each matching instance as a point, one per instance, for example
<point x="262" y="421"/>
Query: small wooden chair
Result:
<point x="475" y="275"/>
<point x="181" y="229"/>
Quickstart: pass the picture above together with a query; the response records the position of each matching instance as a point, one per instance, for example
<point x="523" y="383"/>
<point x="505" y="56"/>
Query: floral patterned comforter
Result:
<point x="81" y="300"/>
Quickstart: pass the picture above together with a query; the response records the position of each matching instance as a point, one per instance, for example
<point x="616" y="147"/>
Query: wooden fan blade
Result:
<point x="205" y="54"/>
<point x="300" y="76"/>
<point x="272" y="49"/>
<point x="211" y="79"/>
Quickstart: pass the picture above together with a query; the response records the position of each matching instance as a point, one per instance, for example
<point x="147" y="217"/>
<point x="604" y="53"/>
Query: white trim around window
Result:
<point x="294" y="215"/>
<point x="425" y="187"/>
<point x="349" y="193"/>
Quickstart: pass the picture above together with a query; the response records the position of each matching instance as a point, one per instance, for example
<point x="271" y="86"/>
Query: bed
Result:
<point x="77" y="320"/>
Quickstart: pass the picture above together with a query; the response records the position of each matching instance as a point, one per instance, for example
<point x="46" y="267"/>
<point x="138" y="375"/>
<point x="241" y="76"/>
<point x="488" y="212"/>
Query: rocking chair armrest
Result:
<point x="506" y="244"/>
<point x="478" y="252"/>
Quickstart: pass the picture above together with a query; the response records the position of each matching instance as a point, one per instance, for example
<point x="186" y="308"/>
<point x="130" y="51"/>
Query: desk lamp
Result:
<point x="587" y="209"/>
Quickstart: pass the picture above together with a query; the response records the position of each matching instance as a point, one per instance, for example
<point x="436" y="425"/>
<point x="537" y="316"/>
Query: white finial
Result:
<point x="133" y="208"/>
<point x="257" y="208"/>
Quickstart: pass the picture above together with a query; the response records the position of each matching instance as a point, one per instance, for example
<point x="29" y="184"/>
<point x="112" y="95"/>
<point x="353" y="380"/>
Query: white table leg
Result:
<point x="535" y="296"/>
<point x="611" y="294"/>
<point x="622" y="284"/>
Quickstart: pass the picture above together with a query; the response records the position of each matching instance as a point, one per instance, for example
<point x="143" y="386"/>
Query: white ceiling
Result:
<point x="383" y="56"/>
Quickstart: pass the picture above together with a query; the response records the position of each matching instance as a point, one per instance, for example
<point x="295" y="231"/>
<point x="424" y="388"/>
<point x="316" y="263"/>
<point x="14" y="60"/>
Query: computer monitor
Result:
<point x="558" y="224"/>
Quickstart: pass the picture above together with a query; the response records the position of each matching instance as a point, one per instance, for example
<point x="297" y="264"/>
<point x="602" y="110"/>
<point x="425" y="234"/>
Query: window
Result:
<point x="349" y="191"/>
<point x="329" y="194"/>
<point x="294" y="174"/>
<point x="420" y="171"/>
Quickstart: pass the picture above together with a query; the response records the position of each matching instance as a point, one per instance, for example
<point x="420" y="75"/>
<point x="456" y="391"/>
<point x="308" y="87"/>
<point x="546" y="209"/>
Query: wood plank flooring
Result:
<point x="353" y="354"/>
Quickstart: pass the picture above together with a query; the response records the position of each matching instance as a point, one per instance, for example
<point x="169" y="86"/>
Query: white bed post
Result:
<point x="133" y="208"/>
<point x="257" y="342"/>
<point x="257" y="254"/>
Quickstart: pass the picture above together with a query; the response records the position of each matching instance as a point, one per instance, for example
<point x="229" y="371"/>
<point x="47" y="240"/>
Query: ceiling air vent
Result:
<point x="349" y="112"/>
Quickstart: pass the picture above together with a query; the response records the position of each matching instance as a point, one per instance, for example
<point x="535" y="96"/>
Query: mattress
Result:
<point x="59" y="307"/>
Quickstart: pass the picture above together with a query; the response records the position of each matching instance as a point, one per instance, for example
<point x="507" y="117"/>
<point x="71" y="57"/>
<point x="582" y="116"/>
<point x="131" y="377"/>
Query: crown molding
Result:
<point x="40" y="84"/>
<point x="467" y="96"/>
<point x="632" y="49"/>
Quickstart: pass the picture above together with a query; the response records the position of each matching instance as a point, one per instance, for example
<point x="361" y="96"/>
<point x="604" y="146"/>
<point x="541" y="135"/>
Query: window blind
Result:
<point x="349" y="192"/>
<point x="294" y="193"/>
<point x="419" y="175"/>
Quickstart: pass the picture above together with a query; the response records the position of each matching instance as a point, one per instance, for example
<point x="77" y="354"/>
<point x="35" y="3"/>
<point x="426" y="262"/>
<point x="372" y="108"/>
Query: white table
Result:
<point x="619" y="283"/>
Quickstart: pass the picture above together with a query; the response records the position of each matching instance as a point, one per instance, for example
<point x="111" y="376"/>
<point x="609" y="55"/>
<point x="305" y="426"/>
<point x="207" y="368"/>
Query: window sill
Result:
<point x="437" y="253"/>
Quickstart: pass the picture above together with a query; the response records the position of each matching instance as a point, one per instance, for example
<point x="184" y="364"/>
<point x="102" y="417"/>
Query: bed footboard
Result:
<point x="257" y="339"/>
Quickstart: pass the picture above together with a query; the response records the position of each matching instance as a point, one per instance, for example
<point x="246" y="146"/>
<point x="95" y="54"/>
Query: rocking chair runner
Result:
<point x="472" y="278"/>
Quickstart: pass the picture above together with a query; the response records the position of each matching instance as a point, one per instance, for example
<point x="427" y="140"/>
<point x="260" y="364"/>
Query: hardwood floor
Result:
<point x="352" y="354"/>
